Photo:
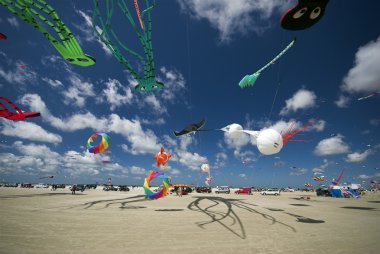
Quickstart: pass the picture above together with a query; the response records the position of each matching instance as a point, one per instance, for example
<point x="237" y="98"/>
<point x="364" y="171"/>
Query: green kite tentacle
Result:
<point x="105" y="38"/>
<point x="68" y="46"/>
<point x="146" y="82"/>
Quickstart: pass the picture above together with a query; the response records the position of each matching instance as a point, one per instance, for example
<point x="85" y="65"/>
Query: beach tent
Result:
<point x="336" y="192"/>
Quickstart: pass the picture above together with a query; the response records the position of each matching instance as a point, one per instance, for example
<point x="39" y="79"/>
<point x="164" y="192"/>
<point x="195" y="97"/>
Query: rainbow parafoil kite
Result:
<point x="103" y="145"/>
<point x="37" y="13"/>
<point x="165" y="185"/>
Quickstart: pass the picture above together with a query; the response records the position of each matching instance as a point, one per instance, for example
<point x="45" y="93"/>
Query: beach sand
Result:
<point x="96" y="221"/>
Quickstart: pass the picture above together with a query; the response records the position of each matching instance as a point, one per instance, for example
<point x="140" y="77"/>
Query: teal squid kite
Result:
<point x="38" y="12"/>
<point x="249" y="80"/>
<point x="146" y="80"/>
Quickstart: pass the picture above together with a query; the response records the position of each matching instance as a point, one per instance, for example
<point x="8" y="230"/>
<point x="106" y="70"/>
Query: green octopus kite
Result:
<point x="147" y="81"/>
<point x="36" y="12"/>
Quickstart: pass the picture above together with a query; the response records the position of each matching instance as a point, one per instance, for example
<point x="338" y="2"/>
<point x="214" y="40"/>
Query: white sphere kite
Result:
<point x="233" y="130"/>
<point x="269" y="141"/>
<point x="205" y="168"/>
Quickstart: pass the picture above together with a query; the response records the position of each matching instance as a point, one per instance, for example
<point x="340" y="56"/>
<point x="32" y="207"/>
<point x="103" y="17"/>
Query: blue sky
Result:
<point x="202" y="49"/>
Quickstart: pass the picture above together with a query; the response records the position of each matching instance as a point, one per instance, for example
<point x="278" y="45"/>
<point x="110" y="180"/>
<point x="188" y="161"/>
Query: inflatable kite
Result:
<point x="146" y="81"/>
<point x="336" y="181"/>
<point x="45" y="177"/>
<point x="162" y="157"/>
<point x="18" y="115"/>
<point x="165" y="185"/>
<point x="303" y="15"/>
<point x="205" y="168"/>
<point x="369" y="96"/>
<point x="319" y="178"/>
<point x="249" y="80"/>
<point x="2" y="36"/>
<point x="191" y="128"/>
<point x="37" y="12"/>
<point x="103" y="145"/>
<point x="268" y="141"/>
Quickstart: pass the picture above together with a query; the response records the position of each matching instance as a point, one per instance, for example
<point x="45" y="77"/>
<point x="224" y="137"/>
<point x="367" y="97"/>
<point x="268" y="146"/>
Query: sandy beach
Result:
<point x="95" y="221"/>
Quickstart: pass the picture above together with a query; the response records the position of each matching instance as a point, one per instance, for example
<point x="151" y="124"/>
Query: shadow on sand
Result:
<point x="124" y="202"/>
<point x="221" y="209"/>
<point x="40" y="195"/>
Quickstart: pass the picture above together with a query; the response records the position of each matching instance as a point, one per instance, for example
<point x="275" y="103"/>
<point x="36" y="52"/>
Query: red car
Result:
<point x="203" y="189"/>
<point x="244" y="191"/>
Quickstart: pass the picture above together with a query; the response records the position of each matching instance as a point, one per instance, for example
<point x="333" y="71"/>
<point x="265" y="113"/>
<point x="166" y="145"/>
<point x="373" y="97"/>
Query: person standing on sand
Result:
<point x="73" y="189"/>
<point x="179" y="191"/>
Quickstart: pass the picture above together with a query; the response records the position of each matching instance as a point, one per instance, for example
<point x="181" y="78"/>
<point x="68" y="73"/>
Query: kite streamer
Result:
<point x="249" y="80"/>
<point x="103" y="145"/>
<point x="165" y="182"/>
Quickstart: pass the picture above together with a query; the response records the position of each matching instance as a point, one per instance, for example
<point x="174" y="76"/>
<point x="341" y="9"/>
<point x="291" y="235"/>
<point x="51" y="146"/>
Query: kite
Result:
<point x="37" y="12"/>
<point x="106" y="162"/>
<point x="308" y="185"/>
<point x="103" y="145"/>
<point x="2" y="36"/>
<point x="18" y="115"/>
<point x="268" y="141"/>
<point x="162" y="157"/>
<point x="22" y="66"/>
<point x="191" y="128"/>
<point x="249" y="80"/>
<point x="45" y="177"/>
<point x="146" y="81"/>
<point x="303" y="15"/>
<point x="336" y="181"/>
<point x="205" y="168"/>
<point x="318" y="178"/>
<point x="369" y="96"/>
<point x="165" y="182"/>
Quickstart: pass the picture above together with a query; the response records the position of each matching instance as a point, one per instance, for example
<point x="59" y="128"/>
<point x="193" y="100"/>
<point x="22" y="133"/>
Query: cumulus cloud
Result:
<point x="112" y="95"/>
<point x="343" y="101"/>
<point x="234" y="17"/>
<point x="358" y="157"/>
<point x="321" y="169"/>
<point x="29" y="131"/>
<point x="13" y="22"/>
<point x="302" y="99"/>
<point x="331" y="146"/>
<point x="87" y="29"/>
<point x="15" y="75"/>
<point x="220" y="160"/>
<point x="53" y="82"/>
<point x="191" y="160"/>
<point x="78" y="91"/>
<point x="298" y="171"/>
<point x="374" y="122"/>
<point x="364" y="76"/>
<point x="141" y="141"/>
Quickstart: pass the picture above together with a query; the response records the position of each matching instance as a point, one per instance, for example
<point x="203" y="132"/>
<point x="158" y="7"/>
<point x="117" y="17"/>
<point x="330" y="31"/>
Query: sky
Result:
<point x="202" y="49"/>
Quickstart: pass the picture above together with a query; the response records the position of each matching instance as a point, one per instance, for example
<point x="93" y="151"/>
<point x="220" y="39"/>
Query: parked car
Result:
<point x="110" y="188"/>
<point x="41" y="185"/>
<point x="324" y="192"/>
<point x="11" y="185"/>
<point x="223" y="189"/>
<point x="203" y="189"/>
<point x="123" y="188"/>
<point x="91" y="186"/>
<point x="275" y="192"/>
<point x="27" y="185"/>
<point x="288" y="190"/>
<point x="245" y="190"/>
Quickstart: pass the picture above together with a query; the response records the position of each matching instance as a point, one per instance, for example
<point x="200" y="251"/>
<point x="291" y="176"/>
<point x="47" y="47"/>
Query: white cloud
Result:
<point x="137" y="170"/>
<point x="298" y="171"/>
<point x="331" y="146"/>
<point x="78" y="91"/>
<point x="13" y="22"/>
<point x="53" y="82"/>
<point x="364" y="76"/>
<point x="343" y="101"/>
<point x="321" y="169"/>
<point x="112" y="95"/>
<point x="319" y="125"/>
<point x="40" y="151"/>
<point x="191" y="160"/>
<point x="175" y="85"/>
<point x="155" y="105"/>
<point x="358" y="157"/>
<point x="242" y="175"/>
<point x="16" y="75"/>
<point x="364" y="176"/>
<point x="87" y="29"/>
<point x="220" y="160"/>
<point x="233" y="17"/>
<point x="374" y="122"/>
<point x="30" y="131"/>
<point x="302" y="99"/>
<point x="141" y="142"/>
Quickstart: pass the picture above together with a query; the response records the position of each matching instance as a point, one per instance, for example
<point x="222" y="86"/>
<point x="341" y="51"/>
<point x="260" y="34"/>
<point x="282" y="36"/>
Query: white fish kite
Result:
<point x="249" y="80"/>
